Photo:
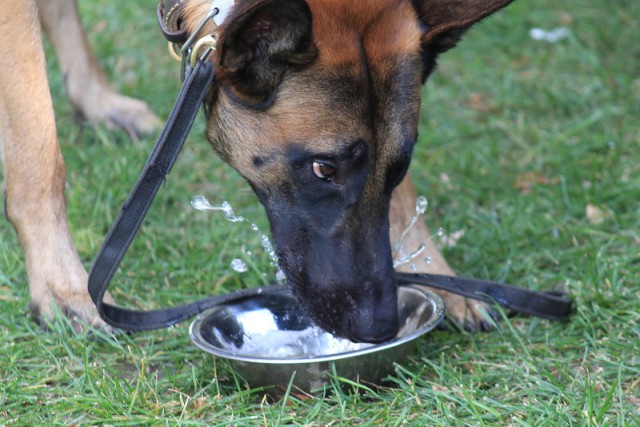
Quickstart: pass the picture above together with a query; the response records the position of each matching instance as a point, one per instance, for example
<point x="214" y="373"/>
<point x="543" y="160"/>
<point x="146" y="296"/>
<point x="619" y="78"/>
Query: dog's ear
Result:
<point x="445" y="21"/>
<point x="260" y="41"/>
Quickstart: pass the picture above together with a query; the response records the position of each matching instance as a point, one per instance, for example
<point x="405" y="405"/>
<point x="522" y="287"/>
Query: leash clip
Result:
<point x="190" y="51"/>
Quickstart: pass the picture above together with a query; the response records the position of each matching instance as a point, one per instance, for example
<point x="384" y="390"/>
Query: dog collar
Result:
<point x="185" y="47"/>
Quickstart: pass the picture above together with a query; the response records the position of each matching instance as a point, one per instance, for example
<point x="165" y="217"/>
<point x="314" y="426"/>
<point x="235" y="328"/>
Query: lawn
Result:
<point x="529" y="152"/>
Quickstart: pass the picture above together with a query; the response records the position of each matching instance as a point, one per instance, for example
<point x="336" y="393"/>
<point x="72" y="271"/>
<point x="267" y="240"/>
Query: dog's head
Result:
<point x="316" y="104"/>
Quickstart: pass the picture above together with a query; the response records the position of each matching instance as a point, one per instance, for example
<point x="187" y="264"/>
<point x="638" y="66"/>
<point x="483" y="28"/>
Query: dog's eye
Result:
<point x="323" y="170"/>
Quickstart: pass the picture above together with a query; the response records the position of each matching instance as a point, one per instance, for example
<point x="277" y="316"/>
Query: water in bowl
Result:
<point x="263" y="338"/>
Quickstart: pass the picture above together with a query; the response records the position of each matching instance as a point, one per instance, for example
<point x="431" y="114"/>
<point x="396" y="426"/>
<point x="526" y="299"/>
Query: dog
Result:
<point x="315" y="103"/>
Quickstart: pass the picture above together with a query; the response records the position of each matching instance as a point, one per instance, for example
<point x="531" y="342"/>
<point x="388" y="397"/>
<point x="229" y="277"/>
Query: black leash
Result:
<point x="550" y="305"/>
<point x="544" y="304"/>
<point x="135" y="208"/>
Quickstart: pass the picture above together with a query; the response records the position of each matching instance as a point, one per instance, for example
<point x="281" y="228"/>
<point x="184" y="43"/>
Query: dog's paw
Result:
<point x="79" y="309"/>
<point x="119" y="112"/>
<point x="133" y="116"/>
<point x="469" y="314"/>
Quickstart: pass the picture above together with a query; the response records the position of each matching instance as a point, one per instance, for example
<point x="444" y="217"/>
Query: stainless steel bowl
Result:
<point x="269" y="340"/>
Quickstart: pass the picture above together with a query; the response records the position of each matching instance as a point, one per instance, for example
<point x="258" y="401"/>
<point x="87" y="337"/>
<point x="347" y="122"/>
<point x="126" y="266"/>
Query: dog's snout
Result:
<point x="372" y="316"/>
<point x="360" y="315"/>
<point x="379" y="330"/>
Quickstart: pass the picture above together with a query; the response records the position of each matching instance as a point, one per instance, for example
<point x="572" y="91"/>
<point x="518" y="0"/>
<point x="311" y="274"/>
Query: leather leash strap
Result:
<point x="550" y="305"/>
<point x="135" y="208"/>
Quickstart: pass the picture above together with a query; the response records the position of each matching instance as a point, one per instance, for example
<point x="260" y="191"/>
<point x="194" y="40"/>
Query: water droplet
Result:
<point x="405" y="259"/>
<point x="440" y="232"/>
<point x="228" y="213"/>
<point x="427" y="260"/>
<point x="280" y="276"/>
<point x="414" y="267"/>
<point x="268" y="248"/>
<point x="202" y="204"/>
<point x="421" y="205"/>
<point x="238" y="265"/>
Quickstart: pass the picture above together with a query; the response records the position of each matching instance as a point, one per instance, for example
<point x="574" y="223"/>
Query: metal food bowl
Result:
<point x="270" y="341"/>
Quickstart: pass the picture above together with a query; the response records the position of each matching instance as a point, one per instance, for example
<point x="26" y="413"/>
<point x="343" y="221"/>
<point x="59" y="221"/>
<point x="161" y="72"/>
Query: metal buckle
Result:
<point x="209" y="41"/>
<point x="190" y="50"/>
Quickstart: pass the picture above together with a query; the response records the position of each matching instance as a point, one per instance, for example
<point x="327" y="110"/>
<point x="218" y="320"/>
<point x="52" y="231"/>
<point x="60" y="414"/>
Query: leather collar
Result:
<point x="170" y="20"/>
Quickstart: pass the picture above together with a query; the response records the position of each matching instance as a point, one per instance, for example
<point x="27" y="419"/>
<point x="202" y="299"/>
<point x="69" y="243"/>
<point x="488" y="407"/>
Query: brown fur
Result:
<point x="364" y="86"/>
<point x="330" y="81"/>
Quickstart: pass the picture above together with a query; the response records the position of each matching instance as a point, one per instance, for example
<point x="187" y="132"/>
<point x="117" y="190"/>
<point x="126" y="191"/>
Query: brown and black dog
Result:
<point x="315" y="103"/>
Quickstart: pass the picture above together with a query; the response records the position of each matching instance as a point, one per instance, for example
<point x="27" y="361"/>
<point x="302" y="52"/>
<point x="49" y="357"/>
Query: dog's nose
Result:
<point x="376" y="331"/>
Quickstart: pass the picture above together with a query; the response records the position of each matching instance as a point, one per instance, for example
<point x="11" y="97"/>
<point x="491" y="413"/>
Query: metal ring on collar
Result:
<point x="174" y="51"/>
<point x="209" y="41"/>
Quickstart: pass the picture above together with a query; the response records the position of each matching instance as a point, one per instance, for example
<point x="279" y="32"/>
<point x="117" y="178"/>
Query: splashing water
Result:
<point x="421" y="208"/>
<point x="405" y="259"/>
<point x="263" y="338"/>
<point x="268" y="248"/>
<point x="202" y="204"/>
<point x="238" y="265"/>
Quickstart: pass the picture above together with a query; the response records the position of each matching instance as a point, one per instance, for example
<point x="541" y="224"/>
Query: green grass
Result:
<point x="518" y="137"/>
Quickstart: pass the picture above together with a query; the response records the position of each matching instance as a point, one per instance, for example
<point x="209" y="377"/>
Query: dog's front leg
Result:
<point x="466" y="312"/>
<point x="87" y="88"/>
<point x="35" y="172"/>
